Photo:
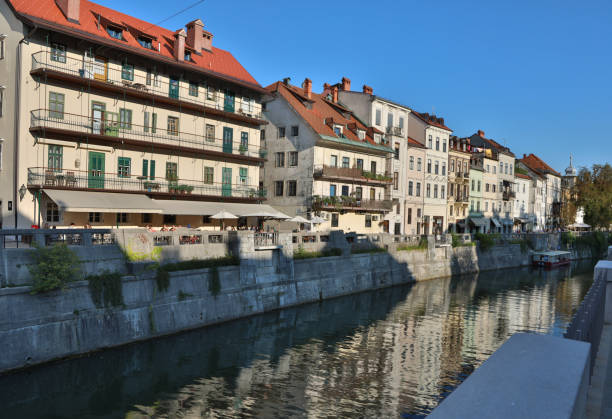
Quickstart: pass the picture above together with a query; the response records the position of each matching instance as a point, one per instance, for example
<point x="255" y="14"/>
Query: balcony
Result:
<point x="352" y="175"/>
<point x="96" y="180"/>
<point x="508" y="195"/>
<point x="397" y="131"/>
<point x="337" y="203"/>
<point x="136" y="84"/>
<point x="108" y="130"/>
<point x="462" y="199"/>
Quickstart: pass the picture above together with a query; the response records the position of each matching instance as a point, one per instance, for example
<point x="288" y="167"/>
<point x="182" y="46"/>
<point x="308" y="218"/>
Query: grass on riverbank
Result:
<point x="408" y="247"/>
<point x="300" y="253"/>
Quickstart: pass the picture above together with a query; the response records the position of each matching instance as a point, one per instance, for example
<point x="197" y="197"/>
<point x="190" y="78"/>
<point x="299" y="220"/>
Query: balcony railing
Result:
<point x="350" y="203"/>
<point x="44" y="177"/>
<point x="139" y="81"/>
<point x="398" y="131"/>
<point x="462" y="198"/>
<point x="507" y="195"/>
<point x="108" y="125"/>
<point x="352" y="173"/>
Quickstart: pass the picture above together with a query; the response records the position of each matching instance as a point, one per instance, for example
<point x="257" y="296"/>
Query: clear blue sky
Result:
<point x="536" y="75"/>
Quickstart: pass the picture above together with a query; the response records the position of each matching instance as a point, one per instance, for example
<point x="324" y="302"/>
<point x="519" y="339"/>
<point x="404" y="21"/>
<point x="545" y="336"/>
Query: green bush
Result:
<point x="372" y="250"/>
<point x="596" y="241"/>
<point x="106" y="289"/>
<point x="423" y="244"/>
<point x="485" y="241"/>
<point x="456" y="240"/>
<point x="300" y="253"/>
<point x="53" y="268"/>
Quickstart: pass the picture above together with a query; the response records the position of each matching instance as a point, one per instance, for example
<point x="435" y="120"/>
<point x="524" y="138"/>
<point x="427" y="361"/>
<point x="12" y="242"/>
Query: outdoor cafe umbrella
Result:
<point x="223" y="215"/>
<point x="299" y="219"/>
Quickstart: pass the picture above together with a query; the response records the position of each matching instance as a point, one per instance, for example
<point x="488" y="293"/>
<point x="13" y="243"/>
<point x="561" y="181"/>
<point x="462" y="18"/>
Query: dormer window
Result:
<point x="377" y="138"/>
<point x="145" y="42"/>
<point x="114" y="32"/>
<point x="361" y="134"/>
<point x="187" y="55"/>
<point x="338" y="130"/>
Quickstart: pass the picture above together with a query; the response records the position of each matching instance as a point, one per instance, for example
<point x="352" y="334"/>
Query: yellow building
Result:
<point x="117" y="118"/>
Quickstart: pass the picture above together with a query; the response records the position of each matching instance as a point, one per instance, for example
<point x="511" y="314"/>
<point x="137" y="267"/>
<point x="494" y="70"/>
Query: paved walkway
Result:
<point x="599" y="398"/>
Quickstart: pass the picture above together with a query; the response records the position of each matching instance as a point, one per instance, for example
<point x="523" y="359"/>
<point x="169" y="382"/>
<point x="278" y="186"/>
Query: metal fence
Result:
<point x="587" y="323"/>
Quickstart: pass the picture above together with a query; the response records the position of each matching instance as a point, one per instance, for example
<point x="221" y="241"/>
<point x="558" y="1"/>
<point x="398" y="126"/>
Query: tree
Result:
<point x="593" y="192"/>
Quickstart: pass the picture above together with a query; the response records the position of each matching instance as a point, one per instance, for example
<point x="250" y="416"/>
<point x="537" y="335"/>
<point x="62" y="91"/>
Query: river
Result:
<point x="391" y="353"/>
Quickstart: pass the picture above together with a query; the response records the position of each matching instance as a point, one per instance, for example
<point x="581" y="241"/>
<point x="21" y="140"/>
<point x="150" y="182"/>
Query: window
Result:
<point x="280" y="159"/>
<point x="397" y="151"/>
<point x="478" y="206"/>
<point x="169" y="219"/>
<point x="419" y="164"/>
<point x="418" y="189"/>
<point x="401" y="122"/>
<point x="368" y="220"/>
<point x="334" y="220"/>
<point x="442" y="192"/>
<point x="472" y="205"/>
<point x="244" y="142"/>
<point x="410" y="185"/>
<point x="523" y="188"/>
<point x="278" y="188"/>
<point x="52" y="212"/>
<point x="173" y="125"/>
<point x="435" y="191"/>
<point x="173" y="88"/>
<point x="333" y="161"/>
<point x="171" y="170"/>
<point x="145" y="42"/>
<point x="147" y="121"/>
<point x="443" y="168"/>
<point x="123" y="166"/>
<point x="488" y="168"/>
<point x="451" y="168"/>
<point x="211" y="93"/>
<point x="187" y="55"/>
<point x="506" y="168"/>
<point x="361" y="134"/>
<point x="247" y="105"/>
<point x="436" y="167"/>
<point x="55" y="158"/>
<point x="56" y="105"/>
<point x="428" y="165"/>
<point x="478" y="186"/>
<point x="295" y="130"/>
<point x="451" y="190"/>
<point x="486" y="205"/>
<point x="244" y="175"/>
<point x="409" y="216"/>
<point x="293" y="158"/>
<point x="125" y="118"/>
<point x="281" y="132"/>
<point x="193" y="89"/>
<point x="511" y="167"/>
<point x="501" y="168"/>
<point x="210" y="133"/>
<point x="429" y="143"/>
<point x="146" y="218"/>
<point x="493" y="187"/>
<point x="373" y="167"/>
<point x="444" y="145"/>
<point x="127" y="72"/>
<point x="146" y="171"/>
<point x="209" y="175"/>
<point x="418" y="212"/>
<point x="122" y="217"/>
<point x="411" y="162"/>
<point x="114" y="32"/>
<point x="1" y="101"/>
<point x="389" y="120"/>
<point x="494" y="169"/>
<point x="465" y="170"/>
<point x="153" y="123"/>
<point x="332" y="190"/>
<point x="338" y="130"/>
<point x="428" y="191"/>
<point x="346" y="162"/>
<point x="2" y="46"/>
<point x="58" y="53"/>
<point x="358" y="193"/>
<point x="486" y="187"/>
<point x="437" y="143"/>
<point x="378" y="116"/>
<point x="395" y="181"/>
<point x="473" y="184"/>
<point x="94" y="217"/>
<point x="359" y="164"/>
<point x="345" y="190"/>
<point x="291" y="188"/>
<point x="262" y="135"/>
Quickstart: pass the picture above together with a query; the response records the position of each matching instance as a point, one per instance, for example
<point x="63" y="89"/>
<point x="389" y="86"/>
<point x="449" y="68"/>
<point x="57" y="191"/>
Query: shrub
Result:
<point x="596" y="241"/>
<point x="106" y="289"/>
<point x="456" y="240"/>
<point x="300" y="253"/>
<point x="53" y="268"/>
<point x="423" y="244"/>
<point x="485" y="241"/>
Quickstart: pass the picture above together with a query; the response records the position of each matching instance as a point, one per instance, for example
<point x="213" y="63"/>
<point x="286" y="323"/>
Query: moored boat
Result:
<point x="551" y="258"/>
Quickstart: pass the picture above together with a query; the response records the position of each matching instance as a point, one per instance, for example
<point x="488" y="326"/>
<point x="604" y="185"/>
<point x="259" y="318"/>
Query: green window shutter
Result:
<point x="244" y="174"/>
<point x="153" y="123"/>
<point x="127" y="72"/>
<point x="145" y="167"/>
<point x="152" y="175"/>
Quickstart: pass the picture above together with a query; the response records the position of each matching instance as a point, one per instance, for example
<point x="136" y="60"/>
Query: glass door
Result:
<point x="96" y="170"/>
<point x="97" y="117"/>
<point x="229" y="102"/>
<point x="226" y="179"/>
<point x="173" y="91"/>
<point x="111" y="124"/>
<point x="228" y="139"/>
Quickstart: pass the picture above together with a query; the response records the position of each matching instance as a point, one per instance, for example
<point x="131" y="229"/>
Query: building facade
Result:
<point x="548" y="191"/>
<point x="459" y="156"/>
<point x="523" y="206"/>
<point x="117" y="115"/>
<point x="323" y="161"/>
<point x="415" y="179"/>
<point x="477" y="223"/>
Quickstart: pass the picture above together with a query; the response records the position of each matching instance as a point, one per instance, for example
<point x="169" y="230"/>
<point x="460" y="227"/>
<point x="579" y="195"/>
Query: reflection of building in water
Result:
<point x="425" y="345"/>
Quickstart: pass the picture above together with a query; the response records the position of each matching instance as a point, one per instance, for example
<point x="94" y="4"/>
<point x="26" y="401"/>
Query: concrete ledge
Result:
<point x="530" y="376"/>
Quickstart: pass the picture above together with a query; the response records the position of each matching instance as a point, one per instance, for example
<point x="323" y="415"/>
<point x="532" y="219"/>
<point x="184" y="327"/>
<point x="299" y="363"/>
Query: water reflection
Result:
<point x="391" y="353"/>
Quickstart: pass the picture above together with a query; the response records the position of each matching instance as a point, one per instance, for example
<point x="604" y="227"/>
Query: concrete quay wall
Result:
<point x="43" y="327"/>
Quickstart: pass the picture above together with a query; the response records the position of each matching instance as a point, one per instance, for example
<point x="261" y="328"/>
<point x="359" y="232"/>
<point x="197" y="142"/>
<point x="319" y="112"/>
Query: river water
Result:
<point x="392" y="353"/>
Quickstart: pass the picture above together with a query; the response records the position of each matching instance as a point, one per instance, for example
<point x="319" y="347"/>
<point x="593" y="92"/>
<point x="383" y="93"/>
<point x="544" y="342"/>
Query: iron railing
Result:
<point x="587" y="323"/>
<point x="109" y="125"/>
<point x="265" y="239"/>
<point x="96" y="180"/>
<point x="352" y="173"/>
<point x="347" y="202"/>
<point x="134" y="78"/>
<point x="29" y="238"/>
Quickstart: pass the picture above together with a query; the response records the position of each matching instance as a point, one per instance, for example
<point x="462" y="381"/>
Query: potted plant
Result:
<point x="242" y="149"/>
<point x="188" y="189"/>
<point x="263" y="153"/>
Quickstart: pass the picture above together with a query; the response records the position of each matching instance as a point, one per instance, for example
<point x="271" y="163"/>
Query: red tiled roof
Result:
<point x="537" y="165"/>
<point x="430" y="122"/>
<point x="522" y="176"/>
<point x="414" y="143"/>
<point x="46" y="11"/>
<point x="321" y="113"/>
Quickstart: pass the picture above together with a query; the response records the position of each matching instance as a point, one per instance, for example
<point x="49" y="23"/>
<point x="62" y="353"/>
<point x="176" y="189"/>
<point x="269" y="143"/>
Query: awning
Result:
<point x="479" y="221"/>
<point x="579" y="225"/>
<point x="80" y="201"/>
<point x="177" y="207"/>
<point x="497" y="223"/>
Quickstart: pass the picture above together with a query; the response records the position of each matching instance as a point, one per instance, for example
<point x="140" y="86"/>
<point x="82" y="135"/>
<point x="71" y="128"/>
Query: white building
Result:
<point x="548" y="191"/>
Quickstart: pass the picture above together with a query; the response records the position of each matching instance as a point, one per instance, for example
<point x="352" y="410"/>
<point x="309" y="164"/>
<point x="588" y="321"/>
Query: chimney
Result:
<point x="441" y="121"/>
<point x="286" y="81"/>
<point x="70" y="9"/>
<point x="207" y="38"/>
<point x="346" y="84"/>
<point x="195" y="38"/>
<point x="307" y="86"/>
<point x="326" y="86"/>
<point x="179" y="45"/>
<point x="334" y="90"/>
<point x="481" y="133"/>
<point x="367" y="90"/>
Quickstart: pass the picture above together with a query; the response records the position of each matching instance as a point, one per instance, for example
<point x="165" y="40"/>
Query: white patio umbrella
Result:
<point x="299" y="219"/>
<point x="223" y="215"/>
<point x="317" y="220"/>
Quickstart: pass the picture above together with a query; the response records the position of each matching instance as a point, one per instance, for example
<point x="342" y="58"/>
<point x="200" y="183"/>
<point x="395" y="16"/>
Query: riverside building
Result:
<point x="324" y="161"/>
<point x="121" y="122"/>
<point x="458" y="183"/>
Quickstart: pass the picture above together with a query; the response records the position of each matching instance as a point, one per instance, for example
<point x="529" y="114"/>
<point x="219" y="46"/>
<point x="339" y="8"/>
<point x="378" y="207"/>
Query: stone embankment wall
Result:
<point x="43" y="327"/>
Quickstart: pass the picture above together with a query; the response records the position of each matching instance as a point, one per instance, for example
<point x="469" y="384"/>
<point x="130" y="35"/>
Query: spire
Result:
<point x="570" y="171"/>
